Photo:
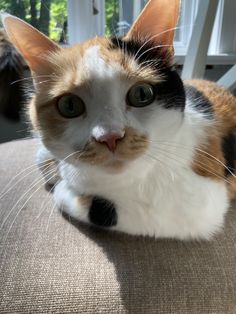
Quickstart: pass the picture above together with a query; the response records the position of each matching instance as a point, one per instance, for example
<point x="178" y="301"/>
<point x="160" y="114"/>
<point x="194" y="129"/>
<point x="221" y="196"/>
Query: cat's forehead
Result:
<point x="98" y="59"/>
<point x="96" y="63"/>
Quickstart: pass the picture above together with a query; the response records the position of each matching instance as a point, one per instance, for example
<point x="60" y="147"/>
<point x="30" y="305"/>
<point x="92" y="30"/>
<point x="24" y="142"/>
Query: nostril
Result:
<point x="110" y="140"/>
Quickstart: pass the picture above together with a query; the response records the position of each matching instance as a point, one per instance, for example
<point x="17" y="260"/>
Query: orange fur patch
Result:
<point x="209" y="158"/>
<point x="84" y="201"/>
<point x="224" y="106"/>
<point x="232" y="188"/>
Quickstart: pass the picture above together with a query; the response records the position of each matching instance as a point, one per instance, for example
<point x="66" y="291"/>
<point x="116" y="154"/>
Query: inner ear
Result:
<point x="157" y="23"/>
<point x="33" y="45"/>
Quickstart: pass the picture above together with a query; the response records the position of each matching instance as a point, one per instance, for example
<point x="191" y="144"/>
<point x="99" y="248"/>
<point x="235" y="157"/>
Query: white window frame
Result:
<point x="224" y="32"/>
<point x="82" y="24"/>
<point x="186" y="25"/>
<point x="222" y="47"/>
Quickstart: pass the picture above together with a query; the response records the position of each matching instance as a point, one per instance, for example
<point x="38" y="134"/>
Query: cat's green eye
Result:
<point x="70" y="106"/>
<point x="141" y="95"/>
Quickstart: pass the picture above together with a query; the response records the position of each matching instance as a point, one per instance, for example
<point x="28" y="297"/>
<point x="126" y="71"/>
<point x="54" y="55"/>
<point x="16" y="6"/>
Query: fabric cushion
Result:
<point x="51" y="265"/>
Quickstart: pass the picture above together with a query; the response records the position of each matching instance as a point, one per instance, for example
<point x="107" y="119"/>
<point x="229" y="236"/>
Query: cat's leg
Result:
<point x="48" y="166"/>
<point x="90" y="209"/>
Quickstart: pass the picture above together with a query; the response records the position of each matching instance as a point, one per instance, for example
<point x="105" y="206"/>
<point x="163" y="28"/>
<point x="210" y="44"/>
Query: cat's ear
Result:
<point x="157" y="22"/>
<point x="32" y="44"/>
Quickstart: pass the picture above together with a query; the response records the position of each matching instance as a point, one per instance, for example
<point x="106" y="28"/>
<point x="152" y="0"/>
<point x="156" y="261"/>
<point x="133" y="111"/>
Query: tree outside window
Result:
<point x="48" y="16"/>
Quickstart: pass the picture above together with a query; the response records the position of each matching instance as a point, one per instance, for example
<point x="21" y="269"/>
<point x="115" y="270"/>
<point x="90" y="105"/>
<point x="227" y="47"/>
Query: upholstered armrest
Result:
<point x="49" y="265"/>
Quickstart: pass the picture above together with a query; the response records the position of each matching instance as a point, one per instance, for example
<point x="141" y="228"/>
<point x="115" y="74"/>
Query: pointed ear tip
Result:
<point x="5" y="16"/>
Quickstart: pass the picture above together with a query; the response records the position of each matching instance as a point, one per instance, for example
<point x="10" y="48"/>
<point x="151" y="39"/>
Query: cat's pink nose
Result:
<point x="110" y="140"/>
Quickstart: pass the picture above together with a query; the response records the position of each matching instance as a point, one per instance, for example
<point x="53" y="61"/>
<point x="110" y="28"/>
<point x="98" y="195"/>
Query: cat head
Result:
<point x="104" y="102"/>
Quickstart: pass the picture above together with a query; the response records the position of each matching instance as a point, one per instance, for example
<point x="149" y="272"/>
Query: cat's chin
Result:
<point x="115" y="166"/>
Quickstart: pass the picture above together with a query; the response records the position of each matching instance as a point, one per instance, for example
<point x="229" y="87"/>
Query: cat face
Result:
<point x="106" y="101"/>
<point x="104" y="104"/>
<point x="87" y="109"/>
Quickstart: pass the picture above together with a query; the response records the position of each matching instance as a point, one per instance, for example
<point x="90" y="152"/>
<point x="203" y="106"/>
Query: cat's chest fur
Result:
<point x="161" y="204"/>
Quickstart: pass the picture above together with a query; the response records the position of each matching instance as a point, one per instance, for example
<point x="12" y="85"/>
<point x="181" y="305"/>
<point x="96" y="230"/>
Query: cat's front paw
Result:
<point x="70" y="203"/>
<point x="94" y="210"/>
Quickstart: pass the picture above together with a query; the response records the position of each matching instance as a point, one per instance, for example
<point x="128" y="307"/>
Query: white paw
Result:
<point x="70" y="203"/>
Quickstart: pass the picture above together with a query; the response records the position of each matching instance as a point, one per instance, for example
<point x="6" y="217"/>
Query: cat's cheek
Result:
<point x="47" y="121"/>
<point x="57" y="148"/>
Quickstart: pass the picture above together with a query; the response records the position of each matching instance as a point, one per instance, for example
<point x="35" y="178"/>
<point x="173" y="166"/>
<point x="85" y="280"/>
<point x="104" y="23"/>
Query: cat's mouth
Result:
<point x="131" y="147"/>
<point x="106" y="160"/>
<point x="115" y="164"/>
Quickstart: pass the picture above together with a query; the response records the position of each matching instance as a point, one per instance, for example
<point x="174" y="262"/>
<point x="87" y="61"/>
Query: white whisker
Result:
<point x="154" y="36"/>
<point x="22" y="196"/>
<point x="201" y="151"/>
<point x="6" y="190"/>
<point x="152" y="48"/>
<point x="30" y="78"/>
<point x="19" y="211"/>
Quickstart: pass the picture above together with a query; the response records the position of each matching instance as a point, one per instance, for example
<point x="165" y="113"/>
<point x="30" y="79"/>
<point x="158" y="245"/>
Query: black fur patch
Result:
<point x="229" y="150"/>
<point x="171" y="91"/>
<point x="142" y="51"/>
<point x="102" y="213"/>
<point x="199" y="101"/>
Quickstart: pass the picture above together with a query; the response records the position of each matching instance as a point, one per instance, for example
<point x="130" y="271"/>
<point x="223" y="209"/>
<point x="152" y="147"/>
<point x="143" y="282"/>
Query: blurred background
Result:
<point x="71" y="21"/>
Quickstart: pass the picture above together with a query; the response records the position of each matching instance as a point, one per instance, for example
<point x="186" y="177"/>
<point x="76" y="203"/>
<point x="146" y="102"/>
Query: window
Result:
<point x="98" y="17"/>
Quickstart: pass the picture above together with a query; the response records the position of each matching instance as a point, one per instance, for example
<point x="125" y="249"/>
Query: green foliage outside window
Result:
<point x="112" y="16"/>
<point x="48" y="16"/>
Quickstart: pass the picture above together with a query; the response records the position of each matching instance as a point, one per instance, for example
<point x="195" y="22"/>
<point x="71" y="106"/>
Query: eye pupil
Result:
<point x="70" y="106"/>
<point x="141" y="95"/>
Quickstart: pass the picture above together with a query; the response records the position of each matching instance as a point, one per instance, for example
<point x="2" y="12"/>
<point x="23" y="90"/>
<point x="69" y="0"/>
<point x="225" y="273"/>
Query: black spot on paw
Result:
<point x="102" y="213"/>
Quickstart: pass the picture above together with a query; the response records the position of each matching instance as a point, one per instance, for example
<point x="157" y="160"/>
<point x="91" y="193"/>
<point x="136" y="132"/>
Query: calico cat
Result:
<point x="138" y="150"/>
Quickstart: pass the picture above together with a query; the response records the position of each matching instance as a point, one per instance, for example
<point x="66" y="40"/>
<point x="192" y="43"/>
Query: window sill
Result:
<point x="223" y="59"/>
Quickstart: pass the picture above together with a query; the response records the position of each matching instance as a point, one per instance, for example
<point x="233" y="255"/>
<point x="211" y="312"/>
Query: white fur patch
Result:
<point x="95" y="66"/>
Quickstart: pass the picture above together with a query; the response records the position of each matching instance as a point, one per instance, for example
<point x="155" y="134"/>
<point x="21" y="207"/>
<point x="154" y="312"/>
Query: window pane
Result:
<point x="48" y="16"/>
